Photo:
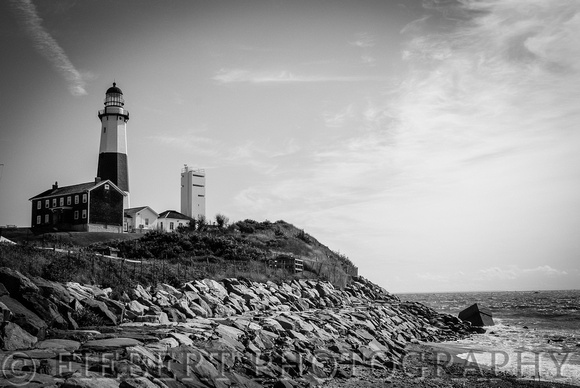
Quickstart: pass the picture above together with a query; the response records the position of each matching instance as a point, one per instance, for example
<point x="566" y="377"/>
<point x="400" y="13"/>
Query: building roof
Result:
<point x="135" y="210"/>
<point x="175" y="215"/>
<point x="74" y="189"/>
<point x="114" y="89"/>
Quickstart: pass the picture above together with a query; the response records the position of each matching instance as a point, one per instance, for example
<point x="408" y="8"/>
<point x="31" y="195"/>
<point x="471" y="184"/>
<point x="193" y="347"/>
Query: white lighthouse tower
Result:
<point x="113" y="149"/>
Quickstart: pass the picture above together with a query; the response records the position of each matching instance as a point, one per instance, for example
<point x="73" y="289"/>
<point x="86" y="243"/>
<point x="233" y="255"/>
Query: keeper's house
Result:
<point x="90" y="207"/>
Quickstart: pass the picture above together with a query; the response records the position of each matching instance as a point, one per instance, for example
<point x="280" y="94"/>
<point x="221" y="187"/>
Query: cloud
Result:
<point x="227" y="76"/>
<point x="546" y="270"/>
<point x="468" y="155"/>
<point x="48" y="47"/>
<point x="363" y="40"/>
<point x="190" y="140"/>
<point x="514" y="272"/>
<point x="366" y="42"/>
<point x="338" y="119"/>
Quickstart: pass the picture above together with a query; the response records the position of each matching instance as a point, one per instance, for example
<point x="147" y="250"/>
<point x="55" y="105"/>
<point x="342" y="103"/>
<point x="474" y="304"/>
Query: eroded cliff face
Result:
<point x="207" y="333"/>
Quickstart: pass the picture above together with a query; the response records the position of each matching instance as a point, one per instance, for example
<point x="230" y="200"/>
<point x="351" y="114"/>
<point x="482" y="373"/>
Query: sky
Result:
<point x="435" y="143"/>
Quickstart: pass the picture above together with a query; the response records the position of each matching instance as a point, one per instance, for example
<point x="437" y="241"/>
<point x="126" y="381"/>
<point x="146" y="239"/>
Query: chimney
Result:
<point x="97" y="179"/>
<point x="55" y="186"/>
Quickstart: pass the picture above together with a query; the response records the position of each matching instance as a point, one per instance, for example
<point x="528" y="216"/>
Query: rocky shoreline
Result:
<point x="231" y="333"/>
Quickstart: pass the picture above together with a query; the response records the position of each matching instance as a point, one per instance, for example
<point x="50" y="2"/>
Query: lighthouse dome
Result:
<point x="114" y="89"/>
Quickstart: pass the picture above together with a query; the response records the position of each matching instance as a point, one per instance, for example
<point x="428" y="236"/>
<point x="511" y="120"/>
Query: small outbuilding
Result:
<point x="170" y="220"/>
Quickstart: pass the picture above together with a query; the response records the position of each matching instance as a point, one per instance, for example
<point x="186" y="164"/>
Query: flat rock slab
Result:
<point x="57" y="343"/>
<point x="28" y="379"/>
<point x="84" y="382"/>
<point x="143" y="337"/>
<point x="110" y="344"/>
<point x="35" y="354"/>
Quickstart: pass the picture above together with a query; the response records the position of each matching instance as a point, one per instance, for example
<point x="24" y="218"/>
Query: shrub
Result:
<point x="221" y="220"/>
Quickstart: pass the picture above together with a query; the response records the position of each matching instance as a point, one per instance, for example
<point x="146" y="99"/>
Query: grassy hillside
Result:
<point x="239" y="244"/>
<point x="242" y="249"/>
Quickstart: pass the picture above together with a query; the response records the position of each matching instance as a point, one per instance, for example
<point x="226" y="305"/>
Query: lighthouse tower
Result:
<point x="113" y="149"/>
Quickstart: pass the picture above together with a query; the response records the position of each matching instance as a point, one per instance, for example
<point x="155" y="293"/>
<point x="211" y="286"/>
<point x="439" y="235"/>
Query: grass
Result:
<point x="121" y="275"/>
<point x="240" y="250"/>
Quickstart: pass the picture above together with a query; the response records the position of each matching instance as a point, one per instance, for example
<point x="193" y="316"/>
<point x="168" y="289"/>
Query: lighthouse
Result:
<point x="113" y="149"/>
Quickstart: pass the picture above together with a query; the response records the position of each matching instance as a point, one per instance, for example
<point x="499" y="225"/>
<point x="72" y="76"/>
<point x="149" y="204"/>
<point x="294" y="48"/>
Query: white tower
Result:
<point x="113" y="149"/>
<point x="192" y="192"/>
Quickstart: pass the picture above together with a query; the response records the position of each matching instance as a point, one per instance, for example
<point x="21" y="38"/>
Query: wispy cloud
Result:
<point x="363" y="40"/>
<point x="336" y="119"/>
<point x="48" y="47"/>
<point x="513" y="272"/>
<point x="227" y="76"/>
<point x="191" y="140"/>
<point x="485" y="116"/>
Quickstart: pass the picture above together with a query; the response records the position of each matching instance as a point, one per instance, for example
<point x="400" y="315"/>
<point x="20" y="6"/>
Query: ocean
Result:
<point x="536" y="333"/>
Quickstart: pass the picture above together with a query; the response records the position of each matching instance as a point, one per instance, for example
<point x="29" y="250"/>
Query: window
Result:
<point x="84" y="213"/>
<point x="47" y="203"/>
<point x="62" y="201"/>
<point x="107" y="186"/>
<point x="161" y="224"/>
<point x="76" y="214"/>
<point x="39" y="205"/>
<point x="171" y="226"/>
<point x="54" y="202"/>
<point x="84" y="198"/>
<point x="76" y="199"/>
<point x="68" y="200"/>
<point x="38" y="219"/>
<point x="46" y="219"/>
<point x="146" y="221"/>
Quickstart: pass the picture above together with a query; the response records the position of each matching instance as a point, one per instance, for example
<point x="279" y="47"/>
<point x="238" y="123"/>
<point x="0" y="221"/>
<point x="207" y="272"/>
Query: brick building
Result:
<point x="90" y="207"/>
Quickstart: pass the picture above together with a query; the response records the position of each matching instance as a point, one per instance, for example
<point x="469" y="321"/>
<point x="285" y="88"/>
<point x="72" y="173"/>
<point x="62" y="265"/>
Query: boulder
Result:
<point x="183" y="307"/>
<point x="101" y="309"/>
<point x="137" y="382"/>
<point x="110" y="344"/>
<point x="142" y="294"/>
<point x="137" y="308"/>
<point x="477" y="316"/>
<point x="59" y="344"/>
<point x="45" y="309"/>
<point x="78" y="291"/>
<point x="90" y="382"/>
<point x="174" y="315"/>
<point x="216" y="288"/>
<point x="16" y="338"/>
<point x="25" y="318"/>
<point x="198" y="310"/>
<point x="52" y="290"/>
<point x="15" y="282"/>
<point x="3" y="290"/>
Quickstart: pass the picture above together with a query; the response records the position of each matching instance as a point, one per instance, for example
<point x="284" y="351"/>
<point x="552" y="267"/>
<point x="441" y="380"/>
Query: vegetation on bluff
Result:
<point x="242" y="249"/>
